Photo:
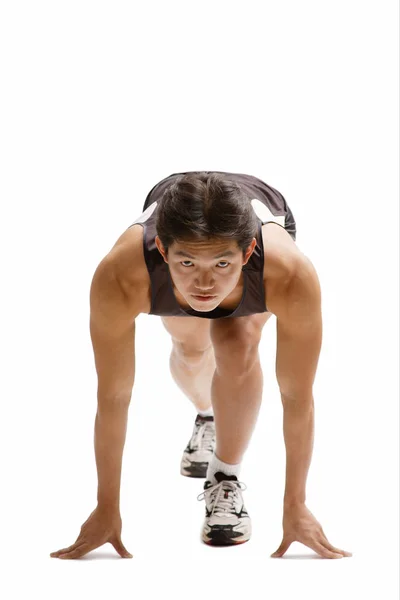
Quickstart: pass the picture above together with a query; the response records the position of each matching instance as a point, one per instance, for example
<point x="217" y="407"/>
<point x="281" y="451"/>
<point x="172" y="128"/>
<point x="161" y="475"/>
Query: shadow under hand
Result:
<point x="102" y="556"/>
<point x="304" y="557"/>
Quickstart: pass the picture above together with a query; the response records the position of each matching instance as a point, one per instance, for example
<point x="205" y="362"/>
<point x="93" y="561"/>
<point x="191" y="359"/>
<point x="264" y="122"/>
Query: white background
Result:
<point x="101" y="100"/>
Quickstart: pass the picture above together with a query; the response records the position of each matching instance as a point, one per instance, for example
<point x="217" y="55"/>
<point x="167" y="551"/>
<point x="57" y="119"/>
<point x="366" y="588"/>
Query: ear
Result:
<point x="250" y="251"/>
<point x="160" y="248"/>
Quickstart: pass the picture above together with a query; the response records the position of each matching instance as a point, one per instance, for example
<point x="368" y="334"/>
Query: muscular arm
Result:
<point x="299" y="339"/>
<point x="112" y="330"/>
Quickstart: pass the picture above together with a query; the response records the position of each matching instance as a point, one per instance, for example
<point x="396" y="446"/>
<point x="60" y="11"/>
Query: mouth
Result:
<point x="204" y="298"/>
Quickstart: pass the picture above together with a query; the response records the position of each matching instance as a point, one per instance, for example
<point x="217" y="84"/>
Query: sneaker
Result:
<point x="200" y="448"/>
<point x="227" y="521"/>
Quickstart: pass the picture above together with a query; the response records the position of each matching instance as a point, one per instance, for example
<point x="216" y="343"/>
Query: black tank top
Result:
<point x="268" y="204"/>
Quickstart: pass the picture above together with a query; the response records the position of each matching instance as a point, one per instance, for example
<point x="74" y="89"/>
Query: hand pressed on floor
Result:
<point x="102" y="526"/>
<point x="300" y="525"/>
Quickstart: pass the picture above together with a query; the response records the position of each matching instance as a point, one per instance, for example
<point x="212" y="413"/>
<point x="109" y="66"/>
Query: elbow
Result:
<point x="109" y="400"/>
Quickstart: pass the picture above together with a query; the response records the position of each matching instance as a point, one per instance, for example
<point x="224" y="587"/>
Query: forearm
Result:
<point x="298" y="429"/>
<point x="109" y="440"/>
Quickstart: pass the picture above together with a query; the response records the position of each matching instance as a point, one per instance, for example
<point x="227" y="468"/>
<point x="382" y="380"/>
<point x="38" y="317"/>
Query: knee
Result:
<point x="237" y="353"/>
<point x="190" y="354"/>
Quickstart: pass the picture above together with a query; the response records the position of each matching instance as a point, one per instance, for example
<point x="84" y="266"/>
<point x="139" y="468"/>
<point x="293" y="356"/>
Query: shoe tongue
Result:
<point x="220" y="476"/>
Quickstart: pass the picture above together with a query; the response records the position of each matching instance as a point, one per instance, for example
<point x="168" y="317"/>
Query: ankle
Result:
<point x="208" y="412"/>
<point x="216" y="465"/>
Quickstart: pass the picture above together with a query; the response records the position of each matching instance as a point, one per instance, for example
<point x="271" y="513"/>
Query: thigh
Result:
<point x="188" y="333"/>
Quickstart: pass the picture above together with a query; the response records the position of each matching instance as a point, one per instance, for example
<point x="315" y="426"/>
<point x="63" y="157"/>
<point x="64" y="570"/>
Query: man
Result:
<point x="214" y="254"/>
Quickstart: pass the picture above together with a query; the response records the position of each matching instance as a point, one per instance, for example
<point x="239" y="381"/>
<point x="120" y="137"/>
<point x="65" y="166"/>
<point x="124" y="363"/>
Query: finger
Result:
<point x="323" y="551"/>
<point x="324" y="541"/>
<point x="120" y="548"/>
<point x="333" y="548"/>
<point x="77" y="542"/>
<point x="68" y="550"/>
<point x="77" y="553"/>
<point x="58" y="552"/>
<point x="286" y="543"/>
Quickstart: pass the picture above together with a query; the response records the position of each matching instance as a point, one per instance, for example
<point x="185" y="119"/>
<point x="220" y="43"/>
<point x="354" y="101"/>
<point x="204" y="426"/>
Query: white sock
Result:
<point x="216" y="464"/>
<point x="206" y="413"/>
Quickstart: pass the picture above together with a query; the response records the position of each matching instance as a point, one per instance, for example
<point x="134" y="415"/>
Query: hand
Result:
<point x="300" y="525"/>
<point x="102" y="526"/>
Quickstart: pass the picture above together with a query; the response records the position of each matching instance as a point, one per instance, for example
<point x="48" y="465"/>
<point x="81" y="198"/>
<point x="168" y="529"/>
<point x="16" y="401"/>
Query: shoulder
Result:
<point x="285" y="266"/>
<point x="280" y="252"/>
<point x="126" y="265"/>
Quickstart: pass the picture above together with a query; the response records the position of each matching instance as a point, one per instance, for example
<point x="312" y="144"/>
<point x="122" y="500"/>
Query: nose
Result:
<point x="204" y="284"/>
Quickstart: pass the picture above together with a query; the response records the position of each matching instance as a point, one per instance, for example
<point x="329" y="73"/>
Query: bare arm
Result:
<point x="112" y="330"/>
<point x="299" y="339"/>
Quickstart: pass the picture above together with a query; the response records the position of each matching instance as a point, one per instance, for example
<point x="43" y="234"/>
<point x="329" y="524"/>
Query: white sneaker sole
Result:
<point x="226" y="535"/>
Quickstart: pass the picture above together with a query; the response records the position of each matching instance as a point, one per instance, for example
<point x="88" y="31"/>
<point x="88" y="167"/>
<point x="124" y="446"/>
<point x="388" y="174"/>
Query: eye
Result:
<point x="221" y="261"/>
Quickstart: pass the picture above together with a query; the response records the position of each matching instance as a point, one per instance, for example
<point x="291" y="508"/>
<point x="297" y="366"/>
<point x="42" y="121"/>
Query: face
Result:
<point x="208" y="268"/>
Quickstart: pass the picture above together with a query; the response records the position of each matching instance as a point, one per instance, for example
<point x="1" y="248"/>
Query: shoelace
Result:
<point x="205" y="433"/>
<point x="223" y="495"/>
